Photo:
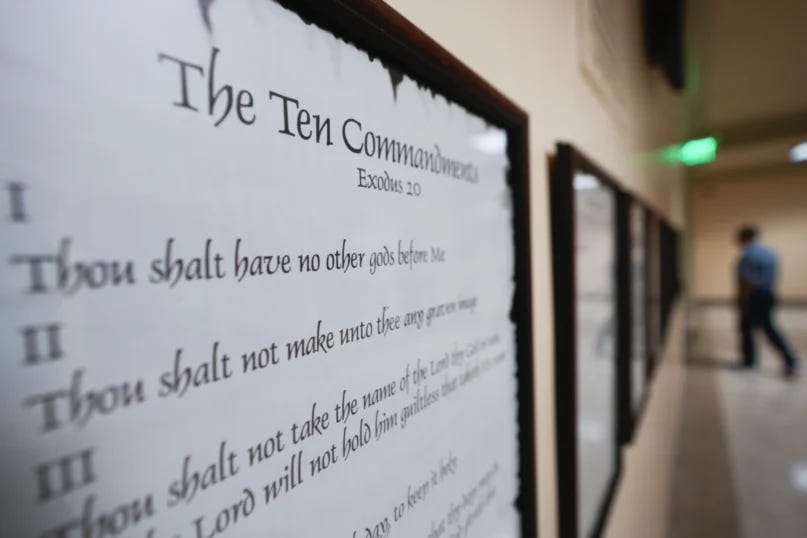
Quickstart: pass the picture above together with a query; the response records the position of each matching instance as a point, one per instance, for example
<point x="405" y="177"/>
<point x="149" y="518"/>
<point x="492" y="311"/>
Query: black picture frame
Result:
<point x="671" y="284"/>
<point x="663" y="249"/>
<point x="376" y="28"/>
<point x="631" y="411"/>
<point x="662" y="286"/>
<point x="653" y="293"/>
<point x="567" y="162"/>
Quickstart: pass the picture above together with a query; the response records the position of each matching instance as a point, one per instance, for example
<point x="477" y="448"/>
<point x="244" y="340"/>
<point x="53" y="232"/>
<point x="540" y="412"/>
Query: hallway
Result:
<point x="741" y="469"/>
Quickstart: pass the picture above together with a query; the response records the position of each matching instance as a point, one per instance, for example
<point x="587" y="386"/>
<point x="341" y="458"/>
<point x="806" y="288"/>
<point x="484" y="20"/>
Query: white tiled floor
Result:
<point x="742" y="459"/>
<point x="766" y="425"/>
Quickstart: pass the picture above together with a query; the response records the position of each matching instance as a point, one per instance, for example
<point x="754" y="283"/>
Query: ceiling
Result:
<point x="747" y="80"/>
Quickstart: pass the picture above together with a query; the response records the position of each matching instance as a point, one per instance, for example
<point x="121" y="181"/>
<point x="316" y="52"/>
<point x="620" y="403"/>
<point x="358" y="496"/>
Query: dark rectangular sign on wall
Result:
<point x="266" y="272"/>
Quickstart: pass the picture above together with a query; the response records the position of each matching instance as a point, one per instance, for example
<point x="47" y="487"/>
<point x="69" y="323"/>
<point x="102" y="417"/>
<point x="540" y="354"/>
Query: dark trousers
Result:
<point x="759" y="309"/>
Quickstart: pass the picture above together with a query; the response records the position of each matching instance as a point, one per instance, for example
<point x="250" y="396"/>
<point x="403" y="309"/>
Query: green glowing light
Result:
<point x="698" y="151"/>
<point x="691" y="152"/>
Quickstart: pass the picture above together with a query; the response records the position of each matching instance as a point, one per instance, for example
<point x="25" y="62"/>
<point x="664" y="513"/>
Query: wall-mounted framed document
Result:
<point x="670" y="279"/>
<point x="663" y="282"/>
<point x="636" y="371"/>
<point x="655" y="337"/>
<point x="653" y="284"/>
<point x="265" y="272"/>
<point x="589" y="266"/>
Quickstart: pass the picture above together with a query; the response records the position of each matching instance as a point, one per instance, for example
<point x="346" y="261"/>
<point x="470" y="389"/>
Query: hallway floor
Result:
<point x="741" y="468"/>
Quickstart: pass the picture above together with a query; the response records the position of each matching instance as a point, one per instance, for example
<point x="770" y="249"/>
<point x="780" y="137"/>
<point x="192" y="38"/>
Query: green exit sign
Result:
<point x="692" y="152"/>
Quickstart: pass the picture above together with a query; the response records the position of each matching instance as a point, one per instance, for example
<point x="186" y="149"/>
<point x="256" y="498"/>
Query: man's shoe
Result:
<point x="791" y="372"/>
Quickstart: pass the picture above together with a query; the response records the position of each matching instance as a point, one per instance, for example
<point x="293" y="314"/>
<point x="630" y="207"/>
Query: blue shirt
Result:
<point x="758" y="266"/>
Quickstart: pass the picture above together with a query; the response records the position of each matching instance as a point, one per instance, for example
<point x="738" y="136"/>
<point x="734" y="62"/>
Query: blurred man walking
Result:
<point x="757" y="271"/>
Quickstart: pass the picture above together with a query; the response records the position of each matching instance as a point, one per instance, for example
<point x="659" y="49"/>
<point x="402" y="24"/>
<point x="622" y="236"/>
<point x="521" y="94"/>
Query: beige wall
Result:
<point x="776" y="202"/>
<point x="529" y="50"/>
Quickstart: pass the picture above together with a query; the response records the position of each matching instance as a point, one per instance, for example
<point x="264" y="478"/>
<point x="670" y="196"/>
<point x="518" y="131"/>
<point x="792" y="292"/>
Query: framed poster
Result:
<point x="655" y="337"/>
<point x="638" y="290"/>
<point x="670" y="272"/>
<point x="265" y="272"/>
<point x="636" y="370"/>
<point x="663" y="283"/>
<point x="652" y="283"/>
<point x="589" y="265"/>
